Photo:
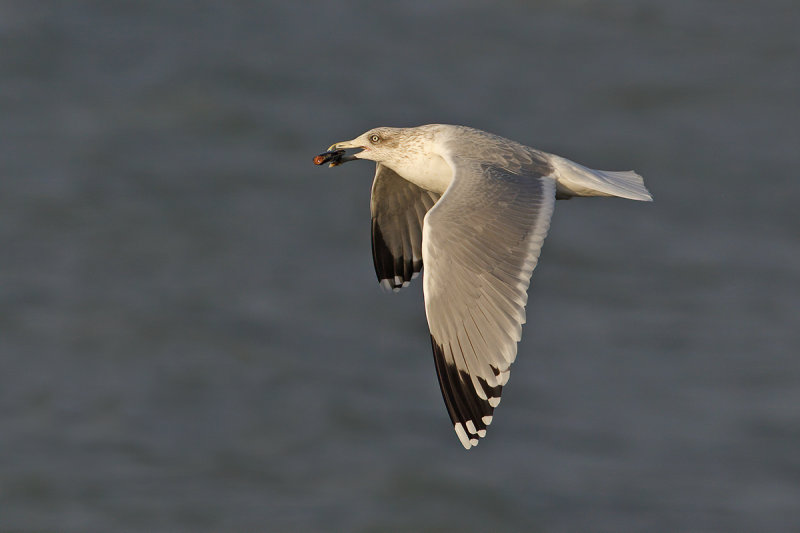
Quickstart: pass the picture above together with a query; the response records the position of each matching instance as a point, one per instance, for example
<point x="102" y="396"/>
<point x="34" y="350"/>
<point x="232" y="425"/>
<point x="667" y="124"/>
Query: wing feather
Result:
<point x="398" y="208"/>
<point x="480" y="244"/>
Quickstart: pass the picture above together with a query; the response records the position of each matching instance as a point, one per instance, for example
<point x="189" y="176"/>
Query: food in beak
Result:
<point x="332" y="156"/>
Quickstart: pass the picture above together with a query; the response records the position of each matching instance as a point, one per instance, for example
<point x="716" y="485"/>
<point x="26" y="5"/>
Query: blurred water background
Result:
<point x="191" y="334"/>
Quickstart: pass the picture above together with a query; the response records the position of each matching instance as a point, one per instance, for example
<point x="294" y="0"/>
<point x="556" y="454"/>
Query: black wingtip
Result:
<point x="469" y="413"/>
<point x="394" y="273"/>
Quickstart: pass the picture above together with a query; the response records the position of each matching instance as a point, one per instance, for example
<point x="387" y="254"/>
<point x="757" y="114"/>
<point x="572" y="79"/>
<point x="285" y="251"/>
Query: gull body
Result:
<point x="474" y="208"/>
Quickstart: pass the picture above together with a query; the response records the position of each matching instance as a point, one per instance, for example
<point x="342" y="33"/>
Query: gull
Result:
<point x="474" y="208"/>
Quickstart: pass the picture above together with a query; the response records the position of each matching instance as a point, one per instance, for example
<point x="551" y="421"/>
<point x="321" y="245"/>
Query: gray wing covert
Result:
<point x="481" y="243"/>
<point x="398" y="208"/>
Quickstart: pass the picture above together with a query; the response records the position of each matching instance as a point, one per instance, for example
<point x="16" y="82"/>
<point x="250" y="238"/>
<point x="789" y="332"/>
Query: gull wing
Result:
<point x="398" y="208"/>
<point x="481" y="242"/>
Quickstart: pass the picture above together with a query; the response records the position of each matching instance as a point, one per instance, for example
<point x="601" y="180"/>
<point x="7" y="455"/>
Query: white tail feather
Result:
<point x="577" y="180"/>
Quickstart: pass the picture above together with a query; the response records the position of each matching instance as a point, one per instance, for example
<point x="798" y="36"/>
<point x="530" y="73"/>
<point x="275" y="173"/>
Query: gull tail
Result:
<point x="577" y="180"/>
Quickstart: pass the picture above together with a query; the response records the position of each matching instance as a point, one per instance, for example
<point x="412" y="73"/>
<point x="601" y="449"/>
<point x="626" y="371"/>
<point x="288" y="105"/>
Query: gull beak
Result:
<point x="335" y="153"/>
<point x="345" y="144"/>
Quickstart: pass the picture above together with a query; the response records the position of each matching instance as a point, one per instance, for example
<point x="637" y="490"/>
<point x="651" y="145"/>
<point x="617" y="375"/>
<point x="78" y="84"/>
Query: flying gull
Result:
<point x="474" y="208"/>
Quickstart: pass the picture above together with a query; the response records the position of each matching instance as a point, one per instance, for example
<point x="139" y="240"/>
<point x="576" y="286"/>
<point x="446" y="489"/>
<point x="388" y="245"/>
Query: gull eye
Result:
<point x="374" y="138"/>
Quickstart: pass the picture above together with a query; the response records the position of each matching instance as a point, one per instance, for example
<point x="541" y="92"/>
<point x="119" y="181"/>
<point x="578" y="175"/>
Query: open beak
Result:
<point x="336" y="154"/>
<point x="344" y="145"/>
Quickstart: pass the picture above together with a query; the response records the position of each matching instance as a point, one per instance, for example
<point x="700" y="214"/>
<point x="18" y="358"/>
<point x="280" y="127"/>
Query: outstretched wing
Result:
<point x="481" y="242"/>
<point x="398" y="208"/>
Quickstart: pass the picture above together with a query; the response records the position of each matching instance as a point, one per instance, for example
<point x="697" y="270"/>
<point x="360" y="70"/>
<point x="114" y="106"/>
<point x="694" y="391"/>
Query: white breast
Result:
<point x="429" y="171"/>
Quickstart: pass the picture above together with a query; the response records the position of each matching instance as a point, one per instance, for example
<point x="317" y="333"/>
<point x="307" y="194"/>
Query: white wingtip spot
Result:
<point x="471" y="427"/>
<point x="487" y="419"/>
<point x="494" y="402"/>
<point x="462" y="436"/>
<point x="385" y="285"/>
<point x="415" y="275"/>
<point x="481" y="433"/>
<point x="398" y="280"/>
<point x="474" y="442"/>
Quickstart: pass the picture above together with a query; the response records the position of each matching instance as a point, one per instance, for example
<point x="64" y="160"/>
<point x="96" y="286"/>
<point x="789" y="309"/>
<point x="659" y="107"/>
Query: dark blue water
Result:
<point x="192" y="337"/>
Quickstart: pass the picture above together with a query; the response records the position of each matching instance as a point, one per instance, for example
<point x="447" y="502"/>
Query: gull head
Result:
<point x="412" y="153"/>
<point x="384" y="145"/>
